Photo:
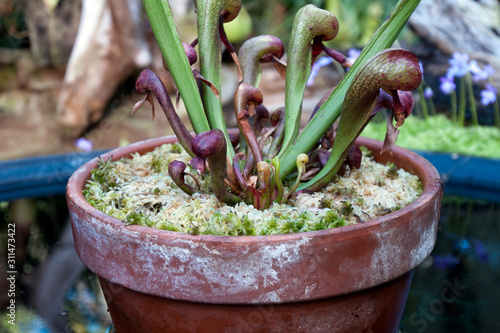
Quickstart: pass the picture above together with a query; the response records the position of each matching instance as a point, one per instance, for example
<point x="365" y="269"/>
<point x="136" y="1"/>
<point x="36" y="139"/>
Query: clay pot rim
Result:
<point x="426" y="172"/>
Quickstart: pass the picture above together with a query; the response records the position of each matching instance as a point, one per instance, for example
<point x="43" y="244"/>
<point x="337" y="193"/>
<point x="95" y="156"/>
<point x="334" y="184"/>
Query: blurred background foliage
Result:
<point x="358" y="19"/>
<point x="13" y="30"/>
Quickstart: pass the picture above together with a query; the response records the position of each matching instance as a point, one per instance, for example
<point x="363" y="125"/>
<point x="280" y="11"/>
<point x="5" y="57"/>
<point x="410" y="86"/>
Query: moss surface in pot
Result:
<point x="269" y="162"/>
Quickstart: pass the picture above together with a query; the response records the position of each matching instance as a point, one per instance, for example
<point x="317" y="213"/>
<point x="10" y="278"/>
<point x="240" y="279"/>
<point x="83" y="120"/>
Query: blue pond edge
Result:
<point x="467" y="176"/>
<point x="472" y="177"/>
<point x="40" y="176"/>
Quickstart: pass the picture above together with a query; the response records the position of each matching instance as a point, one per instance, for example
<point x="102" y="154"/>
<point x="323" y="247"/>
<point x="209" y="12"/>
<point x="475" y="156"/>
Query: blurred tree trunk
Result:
<point x="108" y="48"/>
<point x="52" y="28"/>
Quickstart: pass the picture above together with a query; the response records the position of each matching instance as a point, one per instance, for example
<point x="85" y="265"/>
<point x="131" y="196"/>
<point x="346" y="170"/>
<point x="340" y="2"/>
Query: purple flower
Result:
<point x="353" y="54"/>
<point x="488" y="95"/>
<point x="474" y="67"/>
<point x="321" y="62"/>
<point x="421" y="69"/>
<point x="459" y="64"/>
<point x="479" y="74"/>
<point x="443" y="262"/>
<point x="84" y="144"/>
<point x="447" y="85"/>
<point x="428" y="93"/>
<point x="480" y="250"/>
<point x="489" y="70"/>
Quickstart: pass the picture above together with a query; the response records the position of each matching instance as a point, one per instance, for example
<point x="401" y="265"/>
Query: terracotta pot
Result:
<point x="350" y="279"/>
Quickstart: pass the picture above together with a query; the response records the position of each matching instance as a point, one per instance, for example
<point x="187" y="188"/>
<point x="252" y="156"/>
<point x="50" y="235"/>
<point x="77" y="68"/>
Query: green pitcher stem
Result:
<point x="496" y="113"/>
<point x="453" y="102"/>
<point x="432" y="107"/>
<point x="165" y="31"/>
<point x="310" y="23"/>
<point x="461" y="102"/>
<point x="496" y="108"/>
<point x="423" y="102"/>
<point x="210" y="51"/>
<point x="472" y="99"/>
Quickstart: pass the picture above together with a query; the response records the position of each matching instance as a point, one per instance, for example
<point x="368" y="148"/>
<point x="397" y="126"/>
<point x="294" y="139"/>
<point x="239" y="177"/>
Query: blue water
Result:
<point x="457" y="288"/>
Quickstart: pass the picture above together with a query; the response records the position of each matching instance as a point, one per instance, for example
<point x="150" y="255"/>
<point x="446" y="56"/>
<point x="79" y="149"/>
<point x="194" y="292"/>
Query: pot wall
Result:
<point x="377" y="309"/>
<point x="257" y="269"/>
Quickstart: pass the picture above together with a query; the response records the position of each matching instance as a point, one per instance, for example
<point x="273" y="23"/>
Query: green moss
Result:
<point x="271" y="226"/>
<point x="416" y="185"/>
<point x="346" y="208"/>
<point x="292" y="226"/>
<point x="138" y="218"/>
<point x="365" y="151"/>
<point x="157" y="164"/>
<point x="339" y="223"/>
<point x="176" y="148"/>
<point x="102" y="174"/>
<point x="90" y="199"/>
<point x="319" y="225"/>
<point x="440" y="134"/>
<point x="136" y="190"/>
<point x="326" y="203"/>
<point x="248" y="226"/>
<point x="392" y="173"/>
<point x="193" y="230"/>
<point x="398" y="207"/>
<point x="379" y="180"/>
<point x="234" y="224"/>
<point x="230" y="224"/>
<point x="332" y="219"/>
<point x="167" y="225"/>
<point x="212" y="231"/>
<point x="341" y="190"/>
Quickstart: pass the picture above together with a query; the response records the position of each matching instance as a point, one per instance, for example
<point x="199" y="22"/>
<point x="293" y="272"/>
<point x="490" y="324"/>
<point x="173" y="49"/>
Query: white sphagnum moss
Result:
<point x="138" y="190"/>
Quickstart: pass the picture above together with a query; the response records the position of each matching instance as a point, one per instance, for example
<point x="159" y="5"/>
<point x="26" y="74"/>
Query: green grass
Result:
<point x="439" y="134"/>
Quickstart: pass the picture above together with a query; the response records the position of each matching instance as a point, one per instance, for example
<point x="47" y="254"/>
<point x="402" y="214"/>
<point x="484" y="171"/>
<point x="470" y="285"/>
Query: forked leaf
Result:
<point x="280" y="66"/>
<point x="390" y="137"/>
<point x="212" y="87"/>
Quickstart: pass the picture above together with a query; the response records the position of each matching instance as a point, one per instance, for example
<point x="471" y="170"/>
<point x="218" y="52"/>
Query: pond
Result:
<point x="456" y="289"/>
